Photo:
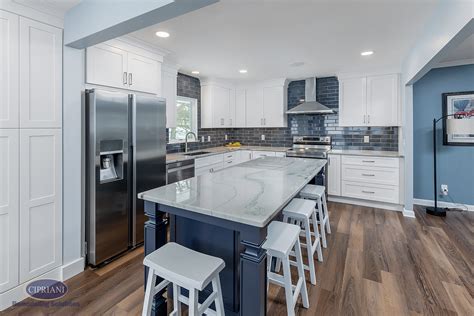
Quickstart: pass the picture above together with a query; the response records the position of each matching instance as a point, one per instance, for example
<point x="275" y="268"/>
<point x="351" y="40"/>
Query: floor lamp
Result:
<point x="459" y="126"/>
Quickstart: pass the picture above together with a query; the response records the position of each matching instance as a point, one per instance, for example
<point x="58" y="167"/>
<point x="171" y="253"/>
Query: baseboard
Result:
<point x="408" y="213"/>
<point x="422" y="202"/>
<point x="73" y="268"/>
<point x="62" y="273"/>
<point x="382" y="205"/>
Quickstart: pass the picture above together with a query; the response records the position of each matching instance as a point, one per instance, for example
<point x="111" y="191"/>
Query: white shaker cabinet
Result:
<point x="9" y="209"/>
<point x="9" y="74"/>
<point x="240" y="108"/>
<point x="40" y="69"/>
<point x="254" y="107"/>
<point x="334" y="175"/>
<point x="169" y="91"/>
<point x="144" y="74"/>
<point x="217" y="106"/>
<point x="274" y="106"/>
<point x="352" y="101"/>
<point x="107" y="65"/>
<point x="40" y="202"/>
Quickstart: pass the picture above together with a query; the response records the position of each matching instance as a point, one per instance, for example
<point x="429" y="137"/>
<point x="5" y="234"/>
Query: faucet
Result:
<point x="186" y="140"/>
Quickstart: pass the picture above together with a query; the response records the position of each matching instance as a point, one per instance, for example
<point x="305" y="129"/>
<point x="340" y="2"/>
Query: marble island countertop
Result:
<point x="373" y="153"/>
<point x="249" y="193"/>
<point x="170" y="158"/>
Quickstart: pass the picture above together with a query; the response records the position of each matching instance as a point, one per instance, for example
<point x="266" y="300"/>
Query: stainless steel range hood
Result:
<point x="310" y="105"/>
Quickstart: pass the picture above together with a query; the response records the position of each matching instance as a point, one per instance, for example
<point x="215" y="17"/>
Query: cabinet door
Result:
<point x="280" y="154"/>
<point x="273" y="107"/>
<point x="382" y="100"/>
<point x="40" y="75"/>
<point x="231" y="117"/>
<point x="106" y="65"/>
<point x="334" y="175"/>
<point x="254" y="107"/>
<point x="9" y="208"/>
<point x="169" y="92"/>
<point x="240" y="108"/>
<point x="262" y="153"/>
<point x="245" y="155"/>
<point x="220" y="106"/>
<point x="352" y="102"/>
<point x="144" y="74"/>
<point x="40" y="202"/>
<point x="9" y="73"/>
<point x="206" y="107"/>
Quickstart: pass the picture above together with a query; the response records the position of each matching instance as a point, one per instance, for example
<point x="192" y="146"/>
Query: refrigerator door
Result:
<point x="107" y="228"/>
<point x="149" y="154"/>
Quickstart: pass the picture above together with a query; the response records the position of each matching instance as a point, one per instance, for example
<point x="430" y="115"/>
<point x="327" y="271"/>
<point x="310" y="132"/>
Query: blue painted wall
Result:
<point x="455" y="163"/>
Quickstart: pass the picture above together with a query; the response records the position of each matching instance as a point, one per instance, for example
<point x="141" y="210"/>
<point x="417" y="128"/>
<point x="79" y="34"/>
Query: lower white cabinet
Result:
<point x="245" y="155"/>
<point x="262" y="153"/>
<point x="280" y="154"/>
<point x="40" y="202"/>
<point x="334" y="175"/>
<point x="9" y="212"/>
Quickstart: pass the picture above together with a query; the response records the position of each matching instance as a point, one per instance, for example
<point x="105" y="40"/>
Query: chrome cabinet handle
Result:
<point x="371" y="161"/>
<point x="130" y="79"/>
<point x="222" y="121"/>
<point x="370" y="192"/>
<point x="368" y="118"/>
<point x="230" y="161"/>
<point x="125" y="77"/>
<point x="264" y="121"/>
<point x="230" y="122"/>
<point x="368" y="175"/>
<point x="364" y="118"/>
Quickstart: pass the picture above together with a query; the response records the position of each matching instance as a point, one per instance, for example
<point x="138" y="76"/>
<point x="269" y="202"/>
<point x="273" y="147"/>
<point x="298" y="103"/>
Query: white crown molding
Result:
<point x="356" y="74"/>
<point x="460" y="62"/>
<point x="145" y="45"/>
<point x="43" y="15"/>
<point x="422" y="202"/>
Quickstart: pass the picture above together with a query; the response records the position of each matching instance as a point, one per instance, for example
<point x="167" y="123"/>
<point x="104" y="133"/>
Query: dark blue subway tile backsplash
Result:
<point x="327" y="93"/>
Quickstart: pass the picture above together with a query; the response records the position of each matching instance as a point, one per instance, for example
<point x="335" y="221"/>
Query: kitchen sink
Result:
<point x="197" y="153"/>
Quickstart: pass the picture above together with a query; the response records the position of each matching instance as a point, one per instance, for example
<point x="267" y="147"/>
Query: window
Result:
<point x="186" y="119"/>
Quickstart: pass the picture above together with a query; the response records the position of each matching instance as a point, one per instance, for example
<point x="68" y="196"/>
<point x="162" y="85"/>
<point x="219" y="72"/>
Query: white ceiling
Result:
<point x="266" y="37"/>
<point x="463" y="52"/>
<point x="55" y="7"/>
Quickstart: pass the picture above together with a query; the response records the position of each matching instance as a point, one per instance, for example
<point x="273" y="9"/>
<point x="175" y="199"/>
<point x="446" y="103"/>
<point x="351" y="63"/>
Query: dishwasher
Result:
<point x="180" y="170"/>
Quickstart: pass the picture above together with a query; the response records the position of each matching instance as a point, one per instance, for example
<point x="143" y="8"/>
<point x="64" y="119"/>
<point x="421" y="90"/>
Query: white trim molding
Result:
<point x="408" y="213"/>
<point x="381" y="205"/>
<point x="73" y="268"/>
<point x="466" y="207"/>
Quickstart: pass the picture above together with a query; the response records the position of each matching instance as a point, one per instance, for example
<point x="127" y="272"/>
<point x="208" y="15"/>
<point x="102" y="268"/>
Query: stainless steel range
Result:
<point x="314" y="147"/>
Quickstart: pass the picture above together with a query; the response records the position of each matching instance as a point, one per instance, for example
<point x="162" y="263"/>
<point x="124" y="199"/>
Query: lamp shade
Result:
<point x="460" y="126"/>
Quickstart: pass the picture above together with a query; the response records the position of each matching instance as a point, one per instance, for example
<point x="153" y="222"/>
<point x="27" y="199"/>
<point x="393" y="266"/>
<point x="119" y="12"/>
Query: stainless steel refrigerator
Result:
<point x="125" y="155"/>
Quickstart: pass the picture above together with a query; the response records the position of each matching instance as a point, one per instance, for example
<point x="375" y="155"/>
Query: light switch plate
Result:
<point x="202" y="139"/>
<point x="263" y="137"/>
<point x="208" y="138"/>
<point x="226" y="138"/>
<point x="366" y="139"/>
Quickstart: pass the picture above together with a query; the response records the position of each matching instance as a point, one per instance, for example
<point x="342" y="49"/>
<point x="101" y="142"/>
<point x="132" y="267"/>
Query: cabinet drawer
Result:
<point x="370" y="161"/>
<point x="262" y="153"/>
<point x="231" y="156"/>
<point x="373" y="175"/>
<point x="209" y="160"/>
<point x="208" y="169"/>
<point x="382" y="193"/>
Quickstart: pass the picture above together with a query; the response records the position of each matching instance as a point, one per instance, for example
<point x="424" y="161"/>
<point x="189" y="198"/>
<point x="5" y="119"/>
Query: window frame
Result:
<point x="194" y="123"/>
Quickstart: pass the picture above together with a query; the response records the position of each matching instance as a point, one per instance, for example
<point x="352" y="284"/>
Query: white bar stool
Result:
<point x="318" y="193"/>
<point x="282" y="238"/>
<point x="184" y="268"/>
<point x="302" y="212"/>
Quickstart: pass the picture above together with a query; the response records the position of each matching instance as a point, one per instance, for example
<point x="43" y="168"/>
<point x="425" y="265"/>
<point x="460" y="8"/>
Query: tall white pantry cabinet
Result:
<point x="30" y="149"/>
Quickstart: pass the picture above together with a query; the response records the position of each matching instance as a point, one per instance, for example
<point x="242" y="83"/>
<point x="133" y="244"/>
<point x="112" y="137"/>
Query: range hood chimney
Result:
<point x="310" y="105"/>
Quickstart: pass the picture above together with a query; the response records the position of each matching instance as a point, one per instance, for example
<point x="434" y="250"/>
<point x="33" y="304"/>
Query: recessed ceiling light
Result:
<point x="367" y="53"/>
<point x="243" y="71"/>
<point x="195" y="72"/>
<point x="162" y="34"/>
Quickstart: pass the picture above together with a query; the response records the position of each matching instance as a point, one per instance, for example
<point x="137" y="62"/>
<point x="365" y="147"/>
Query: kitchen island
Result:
<point x="226" y="214"/>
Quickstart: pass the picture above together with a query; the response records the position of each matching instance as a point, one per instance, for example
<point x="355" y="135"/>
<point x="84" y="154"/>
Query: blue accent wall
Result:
<point x="455" y="163"/>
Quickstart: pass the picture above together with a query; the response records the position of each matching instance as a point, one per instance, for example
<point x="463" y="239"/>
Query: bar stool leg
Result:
<point x="219" y="302"/>
<point x="309" y="248"/>
<point x="321" y="222"/>
<point x="176" y="302"/>
<point x="288" y="286"/>
<point x="193" y="302"/>
<point x="317" y="236"/>
<point x="299" y="262"/>
<point x="149" y="293"/>
<point x="326" y="211"/>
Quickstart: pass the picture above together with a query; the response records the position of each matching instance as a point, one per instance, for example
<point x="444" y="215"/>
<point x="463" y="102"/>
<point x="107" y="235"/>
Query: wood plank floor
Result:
<point x="377" y="263"/>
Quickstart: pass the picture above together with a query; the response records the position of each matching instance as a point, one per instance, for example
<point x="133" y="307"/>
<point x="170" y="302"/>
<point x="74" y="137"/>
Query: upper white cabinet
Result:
<point x="169" y="91"/>
<point x="217" y="105"/>
<point x="369" y="101"/>
<point x="40" y="202"/>
<point x="263" y="104"/>
<point x="9" y="212"/>
<point x="9" y="74"/>
<point x="40" y="59"/>
<point x="118" y="65"/>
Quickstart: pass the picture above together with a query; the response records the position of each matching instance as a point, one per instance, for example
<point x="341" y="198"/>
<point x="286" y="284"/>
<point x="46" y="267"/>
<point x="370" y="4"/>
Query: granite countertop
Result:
<point x="170" y="158"/>
<point x="373" y="153"/>
<point x="250" y="193"/>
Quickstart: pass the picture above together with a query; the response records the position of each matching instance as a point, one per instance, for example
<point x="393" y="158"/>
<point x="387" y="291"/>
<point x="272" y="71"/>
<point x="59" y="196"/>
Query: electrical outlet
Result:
<point x="208" y="138"/>
<point x="202" y="139"/>
<point x="226" y="137"/>
<point x="444" y="189"/>
<point x="263" y="137"/>
<point x="366" y="139"/>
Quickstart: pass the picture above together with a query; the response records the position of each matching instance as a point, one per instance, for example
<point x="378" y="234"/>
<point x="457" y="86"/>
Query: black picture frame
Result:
<point x="446" y="140"/>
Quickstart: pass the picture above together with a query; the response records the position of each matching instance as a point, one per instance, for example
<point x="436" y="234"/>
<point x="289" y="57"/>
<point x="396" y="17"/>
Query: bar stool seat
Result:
<point x="283" y="239"/>
<point x="318" y="194"/>
<point x="188" y="269"/>
<point x="303" y="212"/>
